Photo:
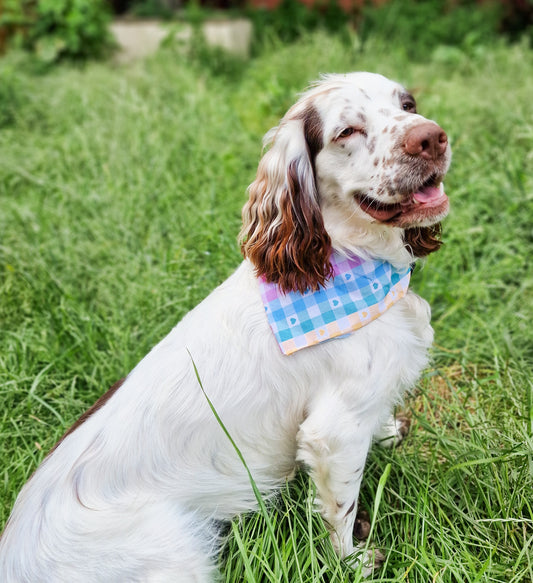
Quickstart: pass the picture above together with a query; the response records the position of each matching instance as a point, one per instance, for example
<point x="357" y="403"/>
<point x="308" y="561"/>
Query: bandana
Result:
<point x="360" y="291"/>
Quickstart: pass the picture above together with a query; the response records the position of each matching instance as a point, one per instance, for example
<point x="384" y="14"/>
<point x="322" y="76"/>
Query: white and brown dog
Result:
<point x="135" y="488"/>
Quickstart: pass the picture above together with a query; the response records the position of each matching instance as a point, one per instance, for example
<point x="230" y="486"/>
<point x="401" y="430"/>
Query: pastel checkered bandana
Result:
<point x="359" y="292"/>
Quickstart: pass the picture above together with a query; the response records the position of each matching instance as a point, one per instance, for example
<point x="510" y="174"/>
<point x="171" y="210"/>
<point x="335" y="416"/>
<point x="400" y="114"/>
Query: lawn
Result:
<point x="120" y="194"/>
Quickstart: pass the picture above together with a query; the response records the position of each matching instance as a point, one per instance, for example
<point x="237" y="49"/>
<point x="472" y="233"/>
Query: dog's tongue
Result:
<point x="428" y="194"/>
<point x="427" y="197"/>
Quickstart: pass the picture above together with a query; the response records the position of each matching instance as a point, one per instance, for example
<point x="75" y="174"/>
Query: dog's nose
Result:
<point x="426" y="140"/>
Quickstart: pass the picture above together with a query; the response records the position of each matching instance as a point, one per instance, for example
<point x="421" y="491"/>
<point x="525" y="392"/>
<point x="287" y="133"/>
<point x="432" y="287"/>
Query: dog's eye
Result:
<point x="350" y="131"/>
<point x="409" y="106"/>
<point x="346" y="132"/>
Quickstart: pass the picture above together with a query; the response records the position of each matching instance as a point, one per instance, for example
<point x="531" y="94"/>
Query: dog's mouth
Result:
<point x="427" y="204"/>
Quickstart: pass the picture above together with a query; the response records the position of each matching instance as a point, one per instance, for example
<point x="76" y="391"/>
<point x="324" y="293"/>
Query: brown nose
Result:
<point x="426" y="140"/>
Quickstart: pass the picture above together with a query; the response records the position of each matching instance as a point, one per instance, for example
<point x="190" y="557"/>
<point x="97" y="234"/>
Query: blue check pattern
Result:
<point x="358" y="293"/>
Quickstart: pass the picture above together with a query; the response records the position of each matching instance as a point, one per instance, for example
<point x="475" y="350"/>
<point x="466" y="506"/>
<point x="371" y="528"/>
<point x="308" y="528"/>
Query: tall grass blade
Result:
<point x="257" y="493"/>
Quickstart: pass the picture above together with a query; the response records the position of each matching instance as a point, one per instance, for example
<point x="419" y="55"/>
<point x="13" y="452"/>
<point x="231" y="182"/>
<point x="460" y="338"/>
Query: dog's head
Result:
<point x="350" y="166"/>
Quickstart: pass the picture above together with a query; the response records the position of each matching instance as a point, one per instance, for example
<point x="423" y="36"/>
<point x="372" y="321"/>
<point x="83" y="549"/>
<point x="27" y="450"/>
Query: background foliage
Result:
<point x="57" y="29"/>
<point x="121" y="191"/>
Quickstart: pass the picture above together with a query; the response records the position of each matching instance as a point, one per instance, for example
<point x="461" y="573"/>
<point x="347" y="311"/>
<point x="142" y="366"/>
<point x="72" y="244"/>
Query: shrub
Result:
<point x="59" y="29"/>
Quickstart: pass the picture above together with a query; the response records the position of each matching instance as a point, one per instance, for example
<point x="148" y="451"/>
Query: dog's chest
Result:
<point x="377" y="362"/>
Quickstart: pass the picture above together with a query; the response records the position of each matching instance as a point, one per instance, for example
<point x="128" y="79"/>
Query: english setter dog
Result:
<point x="302" y="353"/>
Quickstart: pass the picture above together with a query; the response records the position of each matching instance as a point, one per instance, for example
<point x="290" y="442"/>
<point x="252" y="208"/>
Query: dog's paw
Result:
<point x="366" y="561"/>
<point x="393" y="431"/>
<point x="361" y="527"/>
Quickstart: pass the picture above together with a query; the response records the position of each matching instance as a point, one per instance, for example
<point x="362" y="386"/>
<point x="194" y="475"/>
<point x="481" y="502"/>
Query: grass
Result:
<point x="121" y="191"/>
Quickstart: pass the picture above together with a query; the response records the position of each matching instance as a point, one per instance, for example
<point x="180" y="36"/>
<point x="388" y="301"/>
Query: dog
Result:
<point x="349" y="189"/>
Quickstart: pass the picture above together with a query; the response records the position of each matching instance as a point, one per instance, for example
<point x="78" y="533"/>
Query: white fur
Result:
<point x="132" y="494"/>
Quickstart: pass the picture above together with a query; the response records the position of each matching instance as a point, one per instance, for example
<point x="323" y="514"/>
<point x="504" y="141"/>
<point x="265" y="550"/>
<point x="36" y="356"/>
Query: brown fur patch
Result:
<point x="313" y="132"/>
<point x="422" y="241"/>
<point x="295" y="252"/>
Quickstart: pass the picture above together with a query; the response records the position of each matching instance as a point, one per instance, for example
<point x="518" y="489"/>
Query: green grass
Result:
<point x="120" y="197"/>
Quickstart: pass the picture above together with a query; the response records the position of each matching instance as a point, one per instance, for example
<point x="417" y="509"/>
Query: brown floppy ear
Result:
<point x="283" y="232"/>
<point x="421" y="241"/>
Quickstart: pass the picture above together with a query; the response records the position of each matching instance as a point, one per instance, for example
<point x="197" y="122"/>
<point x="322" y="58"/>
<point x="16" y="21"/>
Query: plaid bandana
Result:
<point x="359" y="292"/>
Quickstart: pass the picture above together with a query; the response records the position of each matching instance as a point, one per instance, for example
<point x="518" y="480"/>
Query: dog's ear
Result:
<point x="283" y="232"/>
<point x="421" y="241"/>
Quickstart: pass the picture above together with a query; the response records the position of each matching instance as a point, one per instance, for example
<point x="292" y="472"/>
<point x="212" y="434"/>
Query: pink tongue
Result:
<point x="428" y="194"/>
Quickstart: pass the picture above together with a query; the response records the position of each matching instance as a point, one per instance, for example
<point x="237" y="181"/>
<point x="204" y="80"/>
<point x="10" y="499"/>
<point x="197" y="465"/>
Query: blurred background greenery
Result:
<point x="78" y="29"/>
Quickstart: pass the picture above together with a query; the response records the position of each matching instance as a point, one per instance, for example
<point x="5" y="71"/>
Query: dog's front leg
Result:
<point x="333" y="443"/>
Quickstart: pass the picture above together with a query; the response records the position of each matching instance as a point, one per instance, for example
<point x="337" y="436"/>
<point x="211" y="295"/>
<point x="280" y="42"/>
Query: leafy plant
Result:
<point x="59" y="29"/>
